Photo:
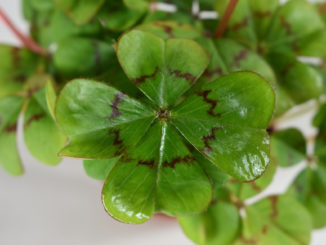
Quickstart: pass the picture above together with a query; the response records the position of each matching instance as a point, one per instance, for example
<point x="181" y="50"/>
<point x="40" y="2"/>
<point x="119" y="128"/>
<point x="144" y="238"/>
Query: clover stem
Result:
<point x="225" y="19"/>
<point x="322" y="7"/>
<point x="27" y="41"/>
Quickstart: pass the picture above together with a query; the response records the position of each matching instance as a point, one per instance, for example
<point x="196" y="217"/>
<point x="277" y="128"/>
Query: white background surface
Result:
<point x="61" y="205"/>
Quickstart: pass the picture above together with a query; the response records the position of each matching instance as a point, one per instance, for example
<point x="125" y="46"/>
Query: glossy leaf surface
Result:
<point x="249" y="189"/>
<point x="222" y="118"/>
<point x="166" y="179"/>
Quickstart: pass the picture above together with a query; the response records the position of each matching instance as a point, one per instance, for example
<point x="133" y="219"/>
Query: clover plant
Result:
<point x="176" y="113"/>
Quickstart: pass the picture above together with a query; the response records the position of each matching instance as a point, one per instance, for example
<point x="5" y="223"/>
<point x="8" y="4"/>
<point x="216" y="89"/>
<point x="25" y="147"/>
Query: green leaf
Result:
<point x="288" y="147"/>
<point x="291" y="25"/>
<point x="16" y="65"/>
<point x="178" y="17"/>
<point x="241" y="26"/>
<point x="217" y="177"/>
<point x="137" y="4"/>
<point x="78" y="56"/>
<point x="159" y="170"/>
<point x="299" y="81"/>
<point x="262" y="12"/>
<point x="99" y="169"/>
<point x="95" y="116"/>
<point x="228" y="116"/>
<point x="249" y="189"/>
<point x="51" y="31"/>
<point x="115" y="16"/>
<point x="238" y="58"/>
<point x="163" y="70"/>
<point x="310" y="189"/>
<point x="10" y="108"/>
<point x="170" y="29"/>
<point x="80" y="11"/>
<point x="220" y="224"/>
<point x="279" y="220"/>
<point x="43" y="5"/>
<point x="319" y="121"/>
<point x="42" y="136"/>
<point x="182" y="186"/>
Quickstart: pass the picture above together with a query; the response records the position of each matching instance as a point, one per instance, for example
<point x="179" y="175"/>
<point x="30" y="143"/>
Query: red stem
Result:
<point x="27" y="41"/>
<point x="226" y="17"/>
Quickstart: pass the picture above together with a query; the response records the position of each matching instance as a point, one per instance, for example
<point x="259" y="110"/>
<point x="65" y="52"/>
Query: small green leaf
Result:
<point x="51" y="31"/>
<point x="137" y="4"/>
<point x="227" y="116"/>
<point x="220" y="224"/>
<point x="80" y="11"/>
<point x="79" y="56"/>
<point x="163" y="70"/>
<point x="310" y="189"/>
<point x="279" y="220"/>
<point x="43" y="5"/>
<point x="262" y="12"/>
<point x="288" y="147"/>
<point x="99" y="169"/>
<point x="291" y="24"/>
<point x="101" y="122"/>
<point x="299" y="81"/>
<point x="41" y="134"/>
<point x="319" y="120"/>
<point x="16" y="65"/>
<point x="10" y="108"/>
<point x="115" y="16"/>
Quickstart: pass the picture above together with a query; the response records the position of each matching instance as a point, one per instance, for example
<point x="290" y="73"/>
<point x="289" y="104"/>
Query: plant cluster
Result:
<point x="176" y="113"/>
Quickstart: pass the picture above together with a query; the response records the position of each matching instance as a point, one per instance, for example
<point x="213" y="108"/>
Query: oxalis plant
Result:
<point x="177" y="113"/>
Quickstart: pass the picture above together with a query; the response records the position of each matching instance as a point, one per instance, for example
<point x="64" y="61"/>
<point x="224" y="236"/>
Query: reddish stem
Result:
<point x="27" y="41"/>
<point x="322" y="7"/>
<point x="226" y="17"/>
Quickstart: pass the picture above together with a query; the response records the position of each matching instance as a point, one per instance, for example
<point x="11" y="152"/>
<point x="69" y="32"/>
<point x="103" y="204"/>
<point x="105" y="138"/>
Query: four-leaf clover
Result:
<point x="224" y="120"/>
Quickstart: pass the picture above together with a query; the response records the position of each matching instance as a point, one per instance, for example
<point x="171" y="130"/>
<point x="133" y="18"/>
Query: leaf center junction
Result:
<point x="163" y="114"/>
